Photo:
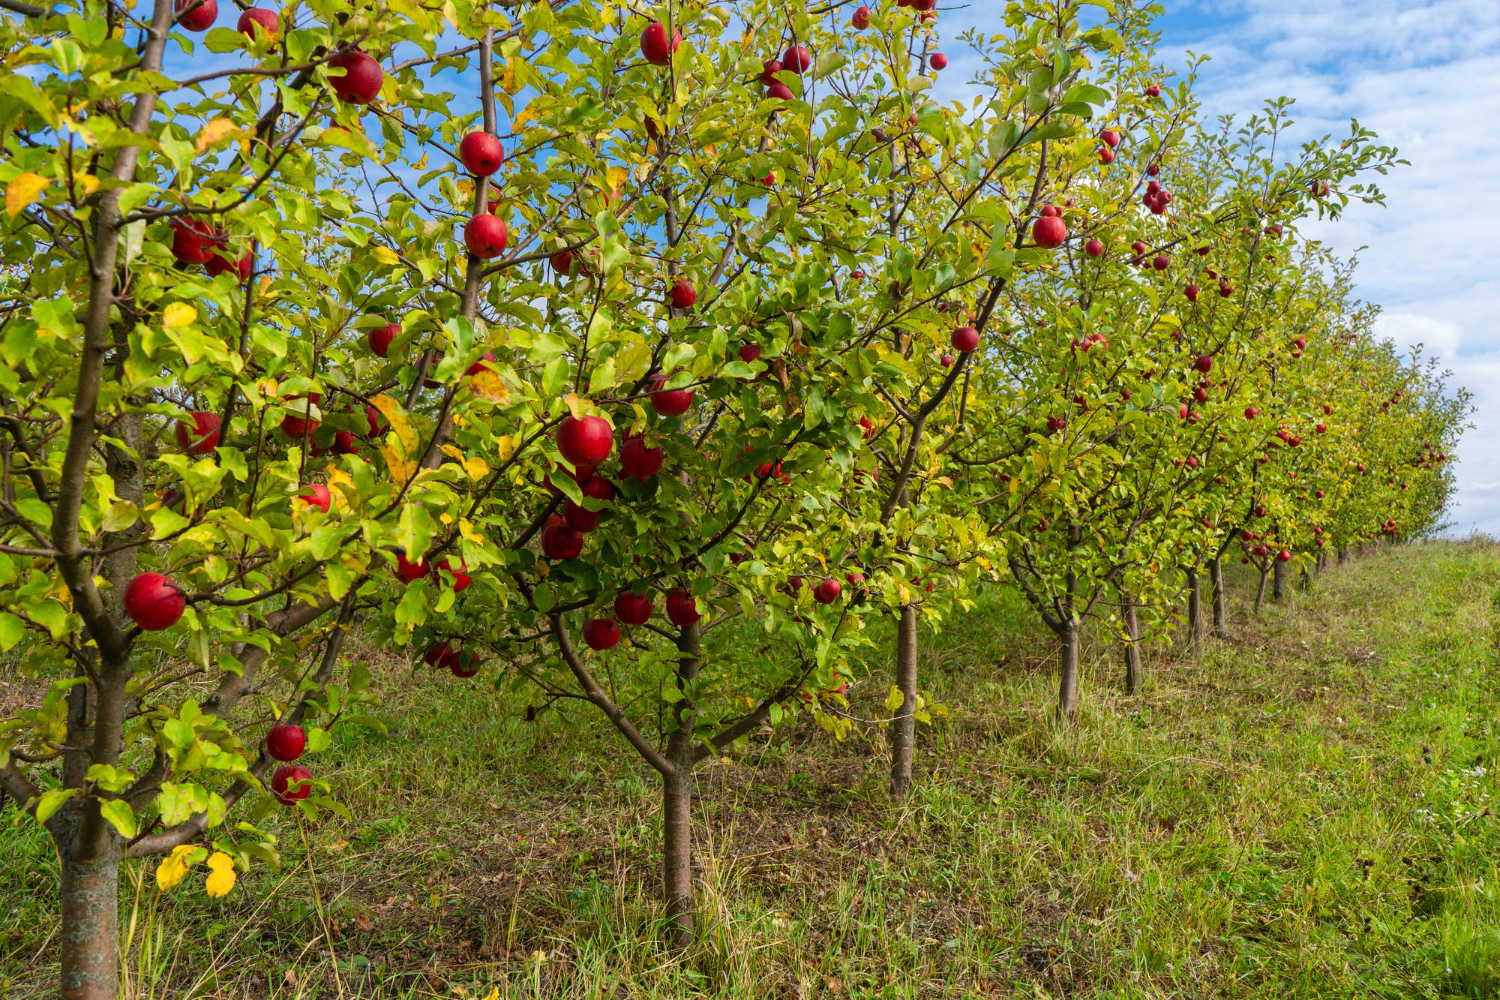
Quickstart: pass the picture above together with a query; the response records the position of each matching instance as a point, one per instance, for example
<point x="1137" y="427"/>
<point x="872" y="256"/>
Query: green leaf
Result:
<point x="51" y="801"/>
<point x="120" y="816"/>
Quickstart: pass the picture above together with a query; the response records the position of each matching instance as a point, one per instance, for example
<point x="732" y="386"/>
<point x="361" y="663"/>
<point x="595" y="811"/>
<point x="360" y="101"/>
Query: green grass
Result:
<point x="1304" y="812"/>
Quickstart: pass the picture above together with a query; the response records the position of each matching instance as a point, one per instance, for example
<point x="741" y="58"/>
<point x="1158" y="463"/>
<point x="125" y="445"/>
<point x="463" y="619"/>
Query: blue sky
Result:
<point x="1425" y="75"/>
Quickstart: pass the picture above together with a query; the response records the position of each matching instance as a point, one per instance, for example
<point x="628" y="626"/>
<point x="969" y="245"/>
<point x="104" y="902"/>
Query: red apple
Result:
<point x="485" y="236"/>
<point x="669" y="402"/>
<point x="459" y="571"/>
<point x="585" y="440"/>
<point x="256" y="17"/>
<point x="482" y="365"/>
<point x="638" y="460"/>
<point x="797" y="59"/>
<point x="828" y="591"/>
<point x="1191" y="291"/>
<point x="360" y="82"/>
<point x="633" y="609"/>
<point x="218" y="264"/>
<point x="317" y="495"/>
<point x="654" y="46"/>
<point x="1094" y="248"/>
<point x="946" y="361"/>
<point x="1283" y="556"/>
<point x="1106" y="155"/>
<point x="1153" y="91"/>
<point x="861" y="18"/>
<point x="193" y="241"/>
<point x="197" y="18"/>
<point x="380" y="339"/>
<point x="601" y="633"/>
<point x="1110" y="137"/>
<point x="964" y="338"/>
<point x="768" y="71"/>
<point x="409" y="571"/>
<point x="1049" y="231"/>
<point x="559" y="541"/>
<point x="682" y="610"/>
<point x="202" y="436"/>
<point x="684" y="295"/>
<point x="301" y="423"/>
<point x="1204" y="363"/>
<point x="291" y="783"/>
<point x="938" y="61"/>
<point x="1251" y="413"/>
<point x="154" y="602"/>
<point x="285" y="742"/>
<point x="481" y="153"/>
<point x="345" y="443"/>
<point x="780" y="91"/>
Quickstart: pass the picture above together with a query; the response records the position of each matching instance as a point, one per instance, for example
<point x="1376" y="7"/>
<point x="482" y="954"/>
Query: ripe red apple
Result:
<point x="1251" y="413"/>
<point x="1106" y="155"/>
<point x="682" y="610"/>
<point x="1110" y="137"/>
<point x="410" y="571"/>
<point x="196" y="18"/>
<point x="360" y="83"/>
<point x="861" y="18"/>
<point x="202" y="436"/>
<point x="1191" y="291"/>
<point x="459" y="571"/>
<point x="154" y="602"/>
<point x="580" y="518"/>
<point x="559" y="541"/>
<point x="1225" y="289"/>
<point x="797" y="59"/>
<point x="485" y="235"/>
<point x="465" y="663"/>
<point x="482" y="365"/>
<point x="638" y="460"/>
<point x="219" y="263"/>
<point x="1204" y="363"/>
<point x="1161" y="262"/>
<point x="317" y="495"/>
<point x="1321" y="428"/>
<point x="380" y="339"/>
<point x="193" y="241"/>
<point x="633" y="609"/>
<point x="285" y="742"/>
<point x="585" y="440"/>
<point x="1154" y="90"/>
<point x="964" y="338"/>
<point x="938" y="61"/>
<point x="768" y="71"/>
<point x="601" y="633"/>
<point x="654" y="45"/>
<point x="1283" y="556"/>
<point x="256" y="17"/>
<point x="1094" y="248"/>
<point x="562" y="261"/>
<point x="684" y="295"/>
<point x="946" y="361"/>
<point x="669" y="402"/>
<point x="291" y="783"/>
<point x="440" y="656"/>
<point x="481" y="153"/>
<point x="300" y="422"/>
<point x="828" y="591"/>
<point x="1049" y="231"/>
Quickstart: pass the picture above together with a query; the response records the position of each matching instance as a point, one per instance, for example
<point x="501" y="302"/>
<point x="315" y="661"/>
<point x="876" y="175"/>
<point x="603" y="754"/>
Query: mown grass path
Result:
<point x="1307" y="811"/>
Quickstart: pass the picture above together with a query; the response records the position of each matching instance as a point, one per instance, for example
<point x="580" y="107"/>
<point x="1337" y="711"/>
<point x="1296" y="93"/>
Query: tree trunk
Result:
<point x="904" y="727"/>
<point x="1067" y="684"/>
<point x="1220" y="599"/>
<point x="90" y="941"/>
<point x="1260" y="592"/>
<point x="1278" y="581"/>
<point x="677" y="852"/>
<point x="677" y="798"/>
<point x="1195" y="611"/>
<point x="1343" y="554"/>
<point x="1133" y="676"/>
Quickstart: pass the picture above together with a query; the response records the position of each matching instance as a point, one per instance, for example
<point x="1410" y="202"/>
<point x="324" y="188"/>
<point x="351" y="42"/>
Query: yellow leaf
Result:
<point x="574" y="405"/>
<point x="505" y="446"/>
<point x="22" y="191"/>
<point x="894" y="700"/>
<point x="178" y="314"/>
<point x="174" y="867"/>
<point x="509" y="81"/>
<point x="220" y="874"/>
<point x="211" y="133"/>
<point x="477" y="468"/>
<point x="616" y="177"/>
<point x="88" y="182"/>
<point x="386" y="255"/>
<point x="521" y="119"/>
<point x="395" y="418"/>
<point x="466" y="529"/>
<point x="488" y="385"/>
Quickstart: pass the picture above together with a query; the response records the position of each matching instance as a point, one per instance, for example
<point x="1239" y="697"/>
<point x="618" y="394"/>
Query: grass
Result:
<point x="1306" y="811"/>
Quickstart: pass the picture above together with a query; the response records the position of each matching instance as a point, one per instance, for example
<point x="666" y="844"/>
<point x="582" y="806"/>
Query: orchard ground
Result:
<point x="1306" y="812"/>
